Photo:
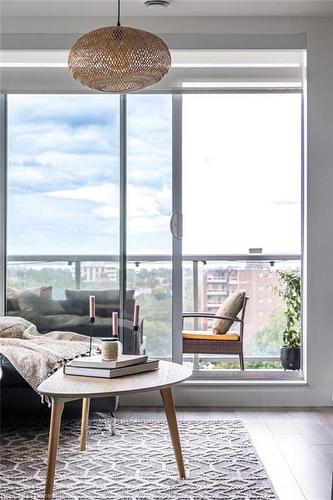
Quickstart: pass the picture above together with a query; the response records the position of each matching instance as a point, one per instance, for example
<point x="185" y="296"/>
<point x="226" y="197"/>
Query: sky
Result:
<point x="241" y="174"/>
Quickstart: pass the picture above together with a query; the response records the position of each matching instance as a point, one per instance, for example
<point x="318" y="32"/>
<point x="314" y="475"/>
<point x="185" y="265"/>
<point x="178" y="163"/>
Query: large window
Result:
<point x="241" y="170"/>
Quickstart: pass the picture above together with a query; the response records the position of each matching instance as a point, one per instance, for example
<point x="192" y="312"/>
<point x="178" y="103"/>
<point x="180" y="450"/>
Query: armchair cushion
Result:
<point x="203" y="335"/>
<point x="230" y="307"/>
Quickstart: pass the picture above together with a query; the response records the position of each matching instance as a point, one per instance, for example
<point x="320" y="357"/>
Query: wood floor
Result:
<point x="294" y="444"/>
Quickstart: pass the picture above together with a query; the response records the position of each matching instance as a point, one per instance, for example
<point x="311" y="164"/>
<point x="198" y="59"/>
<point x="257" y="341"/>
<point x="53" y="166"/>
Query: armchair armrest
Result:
<point x="208" y="315"/>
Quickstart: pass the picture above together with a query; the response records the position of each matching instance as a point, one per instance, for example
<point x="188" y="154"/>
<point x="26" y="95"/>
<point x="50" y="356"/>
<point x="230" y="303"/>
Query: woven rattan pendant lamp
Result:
<point x="119" y="59"/>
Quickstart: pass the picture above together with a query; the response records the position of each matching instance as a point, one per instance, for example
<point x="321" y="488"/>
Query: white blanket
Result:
<point x="37" y="356"/>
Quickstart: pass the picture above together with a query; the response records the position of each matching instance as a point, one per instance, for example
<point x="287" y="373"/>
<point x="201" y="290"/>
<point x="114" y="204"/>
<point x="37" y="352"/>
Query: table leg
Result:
<point x="56" y="412"/>
<point x="169" y="408"/>
<point x="113" y="424"/>
<point x="84" y="423"/>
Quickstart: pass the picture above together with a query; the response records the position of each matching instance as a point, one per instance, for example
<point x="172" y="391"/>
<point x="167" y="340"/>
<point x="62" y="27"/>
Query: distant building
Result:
<point x="259" y="284"/>
<point x="217" y="284"/>
<point x="257" y="279"/>
<point x="98" y="272"/>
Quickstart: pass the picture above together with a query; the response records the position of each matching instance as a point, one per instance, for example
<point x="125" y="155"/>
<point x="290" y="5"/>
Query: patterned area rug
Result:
<point x="136" y="464"/>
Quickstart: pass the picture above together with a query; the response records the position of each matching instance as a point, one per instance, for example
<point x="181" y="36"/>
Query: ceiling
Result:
<point x="188" y="8"/>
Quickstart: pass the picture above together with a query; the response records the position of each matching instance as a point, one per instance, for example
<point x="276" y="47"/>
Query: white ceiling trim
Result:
<point x="225" y="41"/>
<point x="177" y="8"/>
<point x="180" y="59"/>
<point x="32" y="71"/>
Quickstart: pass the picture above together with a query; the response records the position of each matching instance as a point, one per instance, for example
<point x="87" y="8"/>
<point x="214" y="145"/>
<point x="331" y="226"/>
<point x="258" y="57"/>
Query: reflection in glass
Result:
<point x="63" y="210"/>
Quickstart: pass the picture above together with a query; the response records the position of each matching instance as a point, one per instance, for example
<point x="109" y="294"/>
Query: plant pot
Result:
<point x="290" y="358"/>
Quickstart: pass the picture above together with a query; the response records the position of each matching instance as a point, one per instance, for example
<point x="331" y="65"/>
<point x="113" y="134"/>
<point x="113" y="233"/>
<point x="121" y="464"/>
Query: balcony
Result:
<point x="213" y="279"/>
<point x="151" y="278"/>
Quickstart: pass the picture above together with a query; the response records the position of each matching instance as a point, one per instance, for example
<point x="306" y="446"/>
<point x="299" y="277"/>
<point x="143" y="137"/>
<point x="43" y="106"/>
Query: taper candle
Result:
<point x="136" y="316"/>
<point x="92" y="306"/>
<point x="115" y="324"/>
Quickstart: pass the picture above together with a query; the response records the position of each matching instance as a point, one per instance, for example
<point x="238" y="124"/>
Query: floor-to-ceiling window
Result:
<point x="242" y="178"/>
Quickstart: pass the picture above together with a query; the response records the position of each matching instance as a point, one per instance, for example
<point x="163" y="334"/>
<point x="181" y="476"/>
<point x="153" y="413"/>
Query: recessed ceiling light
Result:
<point x="157" y="3"/>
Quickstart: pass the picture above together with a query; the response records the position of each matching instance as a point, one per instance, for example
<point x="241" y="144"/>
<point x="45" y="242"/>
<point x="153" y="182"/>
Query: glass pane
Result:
<point x="265" y="318"/>
<point x="63" y="210"/>
<point x="242" y="173"/>
<point x="149" y="244"/>
<point x="241" y="195"/>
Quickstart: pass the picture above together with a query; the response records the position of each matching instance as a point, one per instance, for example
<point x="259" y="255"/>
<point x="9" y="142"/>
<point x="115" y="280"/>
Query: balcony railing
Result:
<point x="193" y="263"/>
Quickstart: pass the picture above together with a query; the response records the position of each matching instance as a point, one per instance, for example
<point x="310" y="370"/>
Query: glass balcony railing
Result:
<point x="150" y="277"/>
<point x="264" y="321"/>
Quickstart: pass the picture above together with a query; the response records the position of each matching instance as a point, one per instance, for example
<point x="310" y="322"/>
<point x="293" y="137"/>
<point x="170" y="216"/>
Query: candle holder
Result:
<point x="136" y="339"/>
<point x="92" y="321"/>
<point x="136" y="342"/>
<point x="115" y="325"/>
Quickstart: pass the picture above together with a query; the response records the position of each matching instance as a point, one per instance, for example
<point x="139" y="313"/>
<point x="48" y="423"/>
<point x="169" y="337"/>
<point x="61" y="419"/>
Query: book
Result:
<point x="99" y="362"/>
<point x="149" y="365"/>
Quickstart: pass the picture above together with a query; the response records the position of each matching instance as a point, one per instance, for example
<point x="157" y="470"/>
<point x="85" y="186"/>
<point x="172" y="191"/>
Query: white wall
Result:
<point x="319" y="187"/>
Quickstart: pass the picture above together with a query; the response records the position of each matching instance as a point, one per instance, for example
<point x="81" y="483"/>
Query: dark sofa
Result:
<point x="18" y="399"/>
<point x="70" y="314"/>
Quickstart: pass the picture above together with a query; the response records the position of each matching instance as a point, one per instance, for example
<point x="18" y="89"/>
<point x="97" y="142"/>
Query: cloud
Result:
<point x="286" y="202"/>
<point x="142" y="202"/>
<point x="74" y="110"/>
<point x="54" y="226"/>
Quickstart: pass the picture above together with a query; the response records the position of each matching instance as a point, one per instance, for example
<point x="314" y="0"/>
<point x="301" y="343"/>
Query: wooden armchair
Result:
<point x="207" y="342"/>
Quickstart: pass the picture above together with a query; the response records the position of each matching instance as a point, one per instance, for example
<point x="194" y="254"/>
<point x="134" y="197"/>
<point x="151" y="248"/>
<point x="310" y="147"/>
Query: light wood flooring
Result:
<point x="294" y="444"/>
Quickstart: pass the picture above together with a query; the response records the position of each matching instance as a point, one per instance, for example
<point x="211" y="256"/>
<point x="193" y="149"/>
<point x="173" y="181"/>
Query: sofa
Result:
<point x="38" y="306"/>
<point x="19" y="400"/>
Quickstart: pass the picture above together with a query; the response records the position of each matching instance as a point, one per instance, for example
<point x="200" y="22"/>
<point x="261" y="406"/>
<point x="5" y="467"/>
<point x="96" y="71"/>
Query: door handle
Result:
<point x="176" y="225"/>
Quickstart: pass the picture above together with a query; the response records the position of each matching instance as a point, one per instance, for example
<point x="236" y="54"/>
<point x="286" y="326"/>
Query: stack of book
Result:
<point x="95" y="366"/>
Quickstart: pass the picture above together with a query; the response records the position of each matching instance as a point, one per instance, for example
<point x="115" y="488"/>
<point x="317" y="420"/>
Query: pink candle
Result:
<point x="92" y="306"/>
<point x="136" y="316"/>
<point x="115" y="324"/>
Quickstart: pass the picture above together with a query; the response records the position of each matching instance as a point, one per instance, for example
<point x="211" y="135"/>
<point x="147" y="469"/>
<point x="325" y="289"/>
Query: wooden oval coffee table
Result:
<point x="62" y="388"/>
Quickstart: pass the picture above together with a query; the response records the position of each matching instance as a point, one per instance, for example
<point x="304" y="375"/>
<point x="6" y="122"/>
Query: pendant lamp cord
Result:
<point x="118" y="22"/>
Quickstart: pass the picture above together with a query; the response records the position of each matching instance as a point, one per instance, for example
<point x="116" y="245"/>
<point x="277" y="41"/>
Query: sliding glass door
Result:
<point x="242" y="181"/>
<point x="63" y="202"/>
<point x="63" y="210"/>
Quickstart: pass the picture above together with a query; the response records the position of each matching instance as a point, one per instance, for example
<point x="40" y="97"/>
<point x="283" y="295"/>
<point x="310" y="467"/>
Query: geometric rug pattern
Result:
<point x="136" y="464"/>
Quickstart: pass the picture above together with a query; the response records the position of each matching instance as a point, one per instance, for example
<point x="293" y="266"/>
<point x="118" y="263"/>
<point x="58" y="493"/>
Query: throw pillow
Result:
<point x="78" y="300"/>
<point x="43" y="305"/>
<point x="13" y="294"/>
<point x="230" y="308"/>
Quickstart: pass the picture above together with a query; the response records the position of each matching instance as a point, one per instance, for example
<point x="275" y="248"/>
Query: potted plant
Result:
<point x="290" y="290"/>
